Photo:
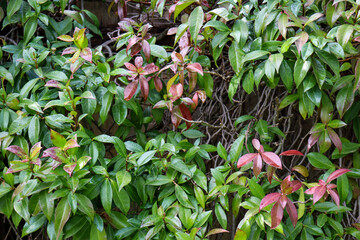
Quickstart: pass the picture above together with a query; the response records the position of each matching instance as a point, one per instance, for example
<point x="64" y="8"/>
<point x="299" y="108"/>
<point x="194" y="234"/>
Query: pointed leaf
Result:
<point x="272" y="159"/>
<point x="269" y="199"/>
<point x="245" y="159"/>
<point x="337" y="174"/>
<point x="276" y="215"/>
<point x="291" y="209"/>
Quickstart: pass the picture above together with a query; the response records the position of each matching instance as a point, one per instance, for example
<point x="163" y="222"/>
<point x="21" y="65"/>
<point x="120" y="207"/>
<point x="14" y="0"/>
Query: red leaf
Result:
<point x="69" y="50"/>
<point x="158" y="84"/>
<point x="146" y="49"/>
<point x="270" y="172"/>
<point x="256" y="144"/>
<point x="276" y="215"/>
<point x="186" y="114"/>
<point x="257" y="165"/>
<point x="192" y="81"/>
<point x="18" y="151"/>
<point x="272" y="159"/>
<point x="269" y="199"/>
<point x="320" y="191"/>
<point x="291" y="153"/>
<point x="335" y="139"/>
<point x="175" y="119"/>
<point x="246" y="159"/>
<point x="131" y="67"/>
<point x="130" y="90"/>
<point x="337" y="174"/>
<point x="86" y="54"/>
<point x="295" y="185"/>
<point x="313" y="139"/>
<point x="176" y="91"/>
<point x="135" y="49"/>
<point x="132" y="42"/>
<point x="150" y="68"/>
<point x="334" y="196"/>
<point x="195" y="67"/>
<point x="144" y="86"/>
<point x="291" y="209"/>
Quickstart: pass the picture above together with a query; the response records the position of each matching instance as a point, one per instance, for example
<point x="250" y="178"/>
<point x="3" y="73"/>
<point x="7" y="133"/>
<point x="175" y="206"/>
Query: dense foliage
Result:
<point x="101" y="142"/>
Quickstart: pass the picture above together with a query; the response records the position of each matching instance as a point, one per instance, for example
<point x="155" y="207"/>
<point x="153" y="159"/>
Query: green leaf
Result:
<point x="344" y="33"/>
<point x="85" y="205"/>
<point x="254" y="55"/>
<point x="12" y="7"/>
<point x="319" y="160"/>
<point x="104" y="138"/>
<point x="19" y="124"/>
<point x="33" y="225"/>
<point x="236" y="148"/>
<point x="343" y="187"/>
<point x="300" y="70"/>
<point x="121" y="199"/>
<point x="106" y="195"/>
<point x="196" y="19"/>
<point x="4" y="73"/>
<point x="145" y="158"/>
<point x="123" y="178"/>
<point x="217" y="25"/>
<point x="221" y="215"/>
<point x="282" y="24"/>
<point x="233" y="86"/>
<point x="46" y="203"/>
<point x="330" y="60"/>
<point x="182" y="197"/>
<point x="29" y="29"/>
<point x="243" y="118"/>
<point x="235" y="57"/>
<point x="192" y="133"/>
<point x="286" y="75"/>
<point x="180" y="7"/>
<point x="289" y="99"/>
<point x="57" y="139"/>
<point x="95" y="234"/>
<point x="200" y="197"/>
<point x="256" y="189"/>
<point x="158" y="51"/>
<point x="222" y="151"/>
<point x="34" y="130"/>
<point x="240" y="32"/>
<point x="105" y="106"/>
<point x="62" y="214"/>
<point x="248" y="83"/>
<point x="179" y="165"/>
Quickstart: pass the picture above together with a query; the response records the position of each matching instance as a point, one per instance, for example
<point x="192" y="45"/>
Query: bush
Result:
<point x="101" y="142"/>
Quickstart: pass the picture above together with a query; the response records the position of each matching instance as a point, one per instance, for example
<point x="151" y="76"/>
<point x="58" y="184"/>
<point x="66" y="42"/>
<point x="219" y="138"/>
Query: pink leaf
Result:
<point x="272" y="159"/>
<point x="320" y="191"/>
<point x="195" y="100"/>
<point x="312" y="190"/>
<point x="295" y="185"/>
<point x="334" y="196"/>
<point x="283" y="201"/>
<point x="158" y="84"/>
<point x="150" y="68"/>
<point x="72" y="143"/>
<point x="55" y="153"/>
<point x="69" y="168"/>
<point x="257" y="165"/>
<point x="291" y="153"/>
<point x="337" y="174"/>
<point x="270" y="172"/>
<point x="187" y="101"/>
<point x="172" y="31"/>
<point x="176" y="57"/>
<point x="291" y="209"/>
<point x="301" y="41"/>
<point x="131" y="67"/>
<point x="269" y="199"/>
<point x="256" y="144"/>
<point x="86" y="54"/>
<point x="246" y="159"/>
<point x="18" y="151"/>
<point x="144" y="86"/>
<point x="69" y="50"/>
<point x="135" y="49"/>
<point x="53" y="83"/>
<point x="331" y="186"/>
<point x="37" y="161"/>
<point x="202" y="95"/>
<point x="186" y="114"/>
<point x="335" y="139"/>
<point x="139" y="62"/>
<point x="146" y="49"/>
<point x="276" y="215"/>
<point x="130" y="90"/>
<point x="160" y="104"/>
<point x="176" y="91"/>
<point x="195" y="67"/>
<point x="192" y="80"/>
<point x="34" y="151"/>
<point x="313" y="139"/>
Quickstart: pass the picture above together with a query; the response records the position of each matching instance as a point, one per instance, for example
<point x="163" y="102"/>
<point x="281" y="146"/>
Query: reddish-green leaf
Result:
<point x="269" y="199"/>
<point x="195" y="67"/>
<point x="130" y="90"/>
<point x="57" y="139"/>
<point x="335" y="138"/>
<point x="291" y="209"/>
<point x="18" y="151"/>
<point x="62" y="214"/>
<point x="276" y="215"/>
